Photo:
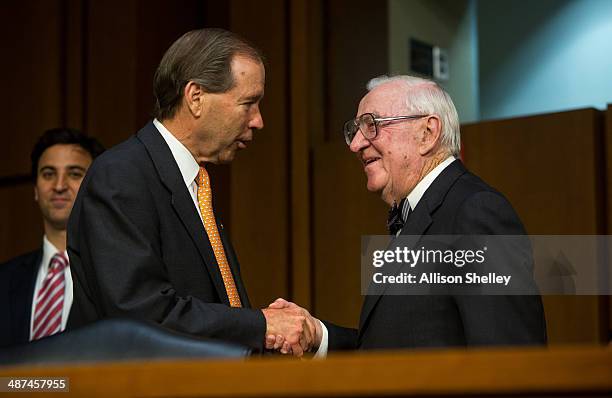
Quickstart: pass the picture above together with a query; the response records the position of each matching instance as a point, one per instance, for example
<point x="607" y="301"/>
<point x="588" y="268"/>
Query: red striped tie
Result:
<point x="50" y="300"/>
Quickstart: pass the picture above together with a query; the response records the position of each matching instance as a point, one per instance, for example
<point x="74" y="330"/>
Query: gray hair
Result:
<point x="427" y="97"/>
<point x="201" y="56"/>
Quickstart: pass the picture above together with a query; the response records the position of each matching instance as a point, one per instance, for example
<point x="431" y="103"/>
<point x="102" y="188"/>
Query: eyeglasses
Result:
<point x="368" y="124"/>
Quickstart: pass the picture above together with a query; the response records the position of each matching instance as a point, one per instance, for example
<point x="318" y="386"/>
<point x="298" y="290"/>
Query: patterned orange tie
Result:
<point x="210" y="225"/>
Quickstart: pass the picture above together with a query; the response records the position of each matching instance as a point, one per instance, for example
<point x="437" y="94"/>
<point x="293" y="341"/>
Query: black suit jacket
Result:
<point x="456" y="203"/>
<point x="138" y="249"/>
<point x="17" y="280"/>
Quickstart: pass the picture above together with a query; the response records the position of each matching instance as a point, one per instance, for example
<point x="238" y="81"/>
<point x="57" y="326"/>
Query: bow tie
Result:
<point x="395" y="221"/>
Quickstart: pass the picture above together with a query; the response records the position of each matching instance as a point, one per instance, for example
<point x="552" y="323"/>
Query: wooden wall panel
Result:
<point x="125" y="42"/>
<point x="32" y="69"/>
<point x="73" y="77"/>
<point x="534" y="160"/>
<point x="260" y="216"/>
<point x="343" y="211"/>
<point x="23" y="232"/>
<point x="355" y="50"/>
<point x="550" y="168"/>
<point x="306" y="117"/>
<point x="30" y="34"/>
<point x="110" y="70"/>
<point x="158" y="27"/>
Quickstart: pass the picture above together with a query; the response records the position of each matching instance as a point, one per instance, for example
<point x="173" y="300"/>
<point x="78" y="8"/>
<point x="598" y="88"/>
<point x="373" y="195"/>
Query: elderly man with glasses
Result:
<point x="406" y="135"/>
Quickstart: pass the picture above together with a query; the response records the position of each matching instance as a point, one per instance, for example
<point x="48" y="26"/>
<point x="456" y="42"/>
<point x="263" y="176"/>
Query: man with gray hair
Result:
<point x="406" y="135"/>
<point x="144" y="239"/>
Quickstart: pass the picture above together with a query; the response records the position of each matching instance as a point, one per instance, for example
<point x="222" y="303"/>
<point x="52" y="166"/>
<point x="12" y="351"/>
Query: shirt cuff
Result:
<point x="322" y="351"/>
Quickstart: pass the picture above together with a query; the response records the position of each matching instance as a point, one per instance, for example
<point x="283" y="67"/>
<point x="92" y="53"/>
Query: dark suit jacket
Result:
<point x="456" y="203"/>
<point x="17" y="280"/>
<point x="138" y="249"/>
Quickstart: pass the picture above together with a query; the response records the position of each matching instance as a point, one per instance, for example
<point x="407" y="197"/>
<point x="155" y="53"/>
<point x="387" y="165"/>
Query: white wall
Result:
<point x="450" y="24"/>
<point x="544" y="56"/>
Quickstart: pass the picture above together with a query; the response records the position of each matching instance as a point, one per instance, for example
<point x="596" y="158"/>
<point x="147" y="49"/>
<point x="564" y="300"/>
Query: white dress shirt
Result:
<point x="419" y="190"/>
<point x="48" y="252"/>
<point x="412" y="201"/>
<point x="187" y="164"/>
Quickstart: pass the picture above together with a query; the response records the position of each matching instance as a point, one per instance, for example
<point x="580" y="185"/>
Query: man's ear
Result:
<point x="193" y="96"/>
<point x="35" y="193"/>
<point x="432" y="133"/>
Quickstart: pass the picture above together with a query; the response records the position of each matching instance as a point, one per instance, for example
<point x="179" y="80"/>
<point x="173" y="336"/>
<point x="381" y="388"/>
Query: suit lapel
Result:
<point x="415" y="227"/>
<point x="234" y="265"/>
<point x="417" y="224"/>
<point x="21" y="295"/>
<point x="182" y="202"/>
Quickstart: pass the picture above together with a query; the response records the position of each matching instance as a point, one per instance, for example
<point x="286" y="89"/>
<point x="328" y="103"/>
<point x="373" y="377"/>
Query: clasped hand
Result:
<point x="290" y="328"/>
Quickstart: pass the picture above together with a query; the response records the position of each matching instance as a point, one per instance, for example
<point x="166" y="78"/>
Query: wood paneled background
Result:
<point x="89" y="65"/>
<point x="552" y="169"/>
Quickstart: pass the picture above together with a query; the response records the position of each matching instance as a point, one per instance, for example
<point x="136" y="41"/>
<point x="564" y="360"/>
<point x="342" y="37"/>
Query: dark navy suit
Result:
<point x="138" y="249"/>
<point x="17" y="280"/>
<point x="456" y="203"/>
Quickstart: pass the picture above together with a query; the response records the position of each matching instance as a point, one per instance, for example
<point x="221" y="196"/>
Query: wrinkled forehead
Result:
<point x="245" y="67"/>
<point x="388" y="99"/>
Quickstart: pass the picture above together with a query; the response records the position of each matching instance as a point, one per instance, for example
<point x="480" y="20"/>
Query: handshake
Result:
<point x="291" y="329"/>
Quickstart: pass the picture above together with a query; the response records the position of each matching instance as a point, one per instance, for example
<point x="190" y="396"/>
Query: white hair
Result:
<point x="427" y="97"/>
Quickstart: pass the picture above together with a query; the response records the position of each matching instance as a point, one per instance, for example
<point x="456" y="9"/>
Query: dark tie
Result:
<point x="395" y="222"/>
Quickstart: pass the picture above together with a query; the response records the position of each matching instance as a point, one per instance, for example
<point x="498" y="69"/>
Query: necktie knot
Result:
<point x="395" y="221"/>
<point x="58" y="262"/>
<point x="204" y="191"/>
<point x="202" y="180"/>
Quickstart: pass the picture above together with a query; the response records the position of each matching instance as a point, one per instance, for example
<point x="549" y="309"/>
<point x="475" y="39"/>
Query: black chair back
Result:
<point x="117" y="340"/>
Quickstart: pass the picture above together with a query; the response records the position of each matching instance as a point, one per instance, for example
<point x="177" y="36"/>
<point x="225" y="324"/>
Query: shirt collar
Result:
<point x="419" y="190"/>
<point x="49" y="251"/>
<point x="184" y="159"/>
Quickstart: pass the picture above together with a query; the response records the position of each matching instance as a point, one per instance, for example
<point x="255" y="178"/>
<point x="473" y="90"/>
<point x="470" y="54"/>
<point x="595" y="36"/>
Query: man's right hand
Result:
<point x="294" y="325"/>
<point x="313" y="329"/>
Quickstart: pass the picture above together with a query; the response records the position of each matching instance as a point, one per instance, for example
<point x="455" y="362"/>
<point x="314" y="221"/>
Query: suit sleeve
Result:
<point x="505" y="320"/>
<point x="340" y="338"/>
<point x="115" y="248"/>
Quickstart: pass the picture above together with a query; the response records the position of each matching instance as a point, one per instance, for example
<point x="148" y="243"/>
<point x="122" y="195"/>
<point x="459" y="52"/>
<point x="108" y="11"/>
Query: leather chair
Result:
<point x="116" y="340"/>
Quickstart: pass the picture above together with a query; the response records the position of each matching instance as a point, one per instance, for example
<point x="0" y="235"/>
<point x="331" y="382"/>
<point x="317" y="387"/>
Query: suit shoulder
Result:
<point x="471" y="206"/>
<point x="25" y="258"/>
<point x="471" y="188"/>
<point x="130" y="151"/>
<point x="22" y="260"/>
<point x="474" y="188"/>
<point x="127" y="161"/>
<point x="480" y="208"/>
<point x="471" y="184"/>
